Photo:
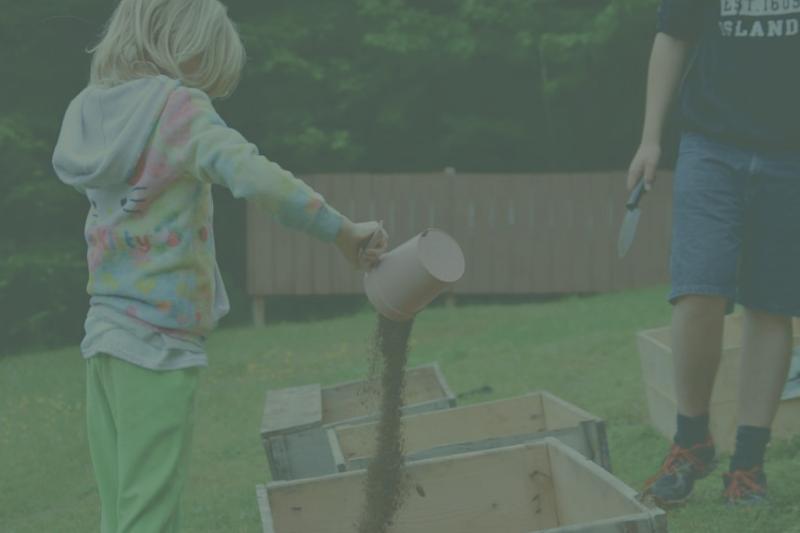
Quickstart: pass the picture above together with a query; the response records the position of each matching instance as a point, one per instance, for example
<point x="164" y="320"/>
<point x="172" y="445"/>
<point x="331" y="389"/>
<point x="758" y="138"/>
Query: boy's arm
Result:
<point x="679" y="25"/>
<point x="667" y="64"/>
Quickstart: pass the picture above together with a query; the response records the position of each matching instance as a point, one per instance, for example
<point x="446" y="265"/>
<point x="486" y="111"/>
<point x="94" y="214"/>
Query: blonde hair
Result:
<point x="193" y="41"/>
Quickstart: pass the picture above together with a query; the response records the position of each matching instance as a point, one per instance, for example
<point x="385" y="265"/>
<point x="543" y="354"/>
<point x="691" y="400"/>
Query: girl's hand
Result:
<point x="644" y="164"/>
<point x="362" y="244"/>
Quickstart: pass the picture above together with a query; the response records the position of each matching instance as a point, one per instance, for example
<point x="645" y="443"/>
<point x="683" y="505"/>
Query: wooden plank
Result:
<point x="292" y="409"/>
<point x="262" y="498"/>
<point x="561" y="414"/>
<point x="345" y="402"/>
<point x="662" y="410"/>
<point x="443" y="384"/>
<point x="471" y="493"/>
<point x="505" y="244"/>
<point x="583" y="231"/>
<point x="518" y="207"/>
<point x="603" y="241"/>
<point x="642" y="523"/>
<point x="587" y="494"/>
<point x="655" y="353"/>
<point x="259" y="311"/>
<point x="541" y="224"/>
<point x="489" y="230"/>
<point x="277" y="456"/>
<point x="336" y="450"/>
<point x="554" y="223"/>
<point x="596" y="434"/>
<point x="308" y="454"/>
<point x="563" y="226"/>
<point x="498" y="419"/>
<point x="572" y="437"/>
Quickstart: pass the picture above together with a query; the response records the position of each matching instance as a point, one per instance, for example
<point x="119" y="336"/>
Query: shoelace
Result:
<point x="741" y="483"/>
<point x="677" y="457"/>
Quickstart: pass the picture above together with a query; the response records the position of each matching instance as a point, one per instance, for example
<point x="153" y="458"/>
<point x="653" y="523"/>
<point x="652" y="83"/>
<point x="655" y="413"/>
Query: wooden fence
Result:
<point x="521" y="234"/>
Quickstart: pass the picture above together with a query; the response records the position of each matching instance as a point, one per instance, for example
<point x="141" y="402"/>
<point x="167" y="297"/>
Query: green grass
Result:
<point x="582" y="350"/>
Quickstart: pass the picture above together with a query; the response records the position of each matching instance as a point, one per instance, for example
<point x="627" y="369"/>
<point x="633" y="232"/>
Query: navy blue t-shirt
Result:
<point x="743" y="85"/>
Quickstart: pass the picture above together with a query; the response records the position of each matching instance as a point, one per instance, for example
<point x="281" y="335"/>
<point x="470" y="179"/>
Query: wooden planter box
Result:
<point x="655" y="349"/>
<point x="296" y="420"/>
<point x="538" y="487"/>
<point x="478" y="427"/>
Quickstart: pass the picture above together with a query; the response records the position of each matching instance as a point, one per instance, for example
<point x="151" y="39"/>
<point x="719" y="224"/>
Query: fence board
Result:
<point x="543" y="230"/>
<point x="601" y="243"/>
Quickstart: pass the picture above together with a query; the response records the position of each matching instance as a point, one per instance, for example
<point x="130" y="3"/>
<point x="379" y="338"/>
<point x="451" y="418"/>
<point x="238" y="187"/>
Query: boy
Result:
<point x="736" y="199"/>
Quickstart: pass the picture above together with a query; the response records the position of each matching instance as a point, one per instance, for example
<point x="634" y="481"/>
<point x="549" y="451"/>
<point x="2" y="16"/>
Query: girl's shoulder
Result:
<point x="187" y="107"/>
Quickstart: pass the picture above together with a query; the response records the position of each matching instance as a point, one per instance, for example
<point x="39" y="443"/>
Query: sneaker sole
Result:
<point x="730" y="504"/>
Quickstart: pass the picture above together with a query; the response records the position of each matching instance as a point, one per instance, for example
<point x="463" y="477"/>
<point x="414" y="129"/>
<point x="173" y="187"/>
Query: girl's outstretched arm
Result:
<point x="193" y="133"/>
<point x="215" y="153"/>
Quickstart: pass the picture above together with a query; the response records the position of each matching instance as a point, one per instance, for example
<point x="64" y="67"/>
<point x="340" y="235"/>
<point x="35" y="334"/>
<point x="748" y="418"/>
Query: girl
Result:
<point x="144" y="144"/>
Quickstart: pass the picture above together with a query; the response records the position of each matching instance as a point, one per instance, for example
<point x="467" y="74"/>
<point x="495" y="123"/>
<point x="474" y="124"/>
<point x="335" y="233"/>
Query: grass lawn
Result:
<point x="580" y="349"/>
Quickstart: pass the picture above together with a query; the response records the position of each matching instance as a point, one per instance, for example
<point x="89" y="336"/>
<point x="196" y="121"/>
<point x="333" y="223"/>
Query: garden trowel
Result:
<point x="632" y="213"/>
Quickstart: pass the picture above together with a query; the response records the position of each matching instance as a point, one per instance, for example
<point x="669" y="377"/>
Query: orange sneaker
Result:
<point x="672" y="485"/>
<point x="745" y="488"/>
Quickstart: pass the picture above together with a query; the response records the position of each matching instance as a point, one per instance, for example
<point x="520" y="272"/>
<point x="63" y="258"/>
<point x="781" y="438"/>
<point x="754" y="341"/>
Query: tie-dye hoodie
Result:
<point x="145" y="154"/>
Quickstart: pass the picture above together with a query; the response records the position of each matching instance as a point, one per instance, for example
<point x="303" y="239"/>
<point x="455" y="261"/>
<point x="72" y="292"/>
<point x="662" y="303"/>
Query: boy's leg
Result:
<point x="102" y="436"/>
<point x="708" y="232"/>
<point x="770" y="291"/>
<point x="707" y="235"/>
<point x="155" y="420"/>
<point x="766" y="357"/>
<point x="697" y="323"/>
<point x="765" y="364"/>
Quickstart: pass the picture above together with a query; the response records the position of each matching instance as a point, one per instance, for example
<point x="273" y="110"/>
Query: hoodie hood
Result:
<point x="105" y="131"/>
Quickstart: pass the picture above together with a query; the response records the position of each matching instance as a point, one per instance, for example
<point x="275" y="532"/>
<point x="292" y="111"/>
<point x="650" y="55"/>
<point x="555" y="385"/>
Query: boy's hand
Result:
<point x="362" y="244"/>
<point x="644" y="164"/>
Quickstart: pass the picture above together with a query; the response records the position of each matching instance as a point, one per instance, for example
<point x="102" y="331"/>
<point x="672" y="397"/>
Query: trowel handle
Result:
<point x="636" y="195"/>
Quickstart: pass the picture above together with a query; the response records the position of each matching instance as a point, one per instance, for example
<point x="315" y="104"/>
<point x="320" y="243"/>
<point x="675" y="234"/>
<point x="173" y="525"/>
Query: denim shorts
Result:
<point x="736" y="219"/>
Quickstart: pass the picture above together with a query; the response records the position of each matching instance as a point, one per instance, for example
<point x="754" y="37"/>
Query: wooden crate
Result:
<point x="296" y="420"/>
<point x="480" y="427"/>
<point x="536" y="487"/>
<point x="658" y="369"/>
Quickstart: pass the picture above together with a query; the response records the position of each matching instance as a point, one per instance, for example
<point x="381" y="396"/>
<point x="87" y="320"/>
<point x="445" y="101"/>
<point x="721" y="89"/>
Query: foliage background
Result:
<point x="351" y="85"/>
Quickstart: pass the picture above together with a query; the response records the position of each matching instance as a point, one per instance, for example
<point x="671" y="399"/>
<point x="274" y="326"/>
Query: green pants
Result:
<point x="140" y="426"/>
